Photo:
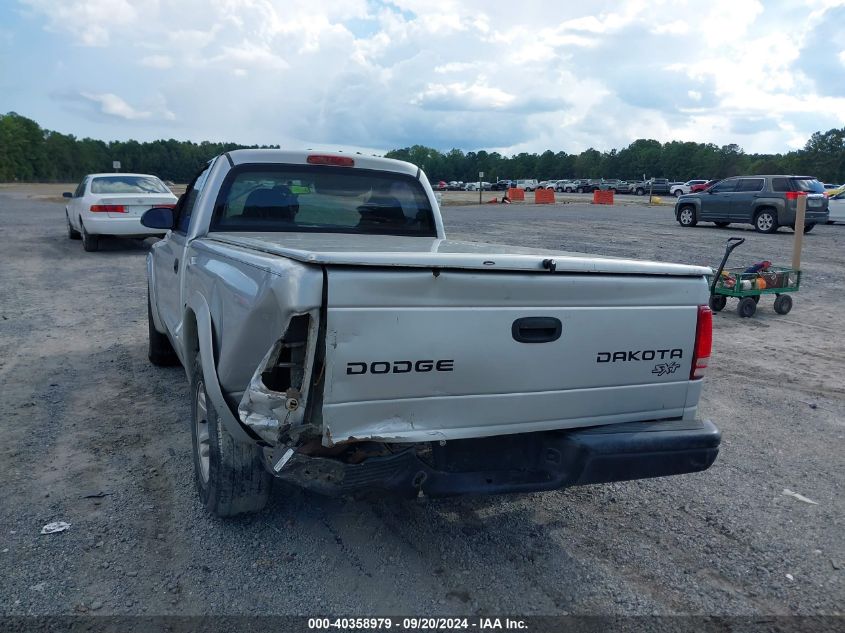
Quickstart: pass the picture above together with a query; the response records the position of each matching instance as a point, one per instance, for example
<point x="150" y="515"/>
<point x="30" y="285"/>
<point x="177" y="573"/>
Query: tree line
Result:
<point x="29" y="153"/>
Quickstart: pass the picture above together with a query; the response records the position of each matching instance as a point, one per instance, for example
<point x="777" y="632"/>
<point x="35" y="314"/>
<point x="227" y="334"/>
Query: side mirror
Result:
<point x="67" y="194"/>
<point x="158" y="218"/>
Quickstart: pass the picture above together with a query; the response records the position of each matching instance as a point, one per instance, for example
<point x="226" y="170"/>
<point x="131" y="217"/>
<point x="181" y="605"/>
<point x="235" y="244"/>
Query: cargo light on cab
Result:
<point x="327" y="159"/>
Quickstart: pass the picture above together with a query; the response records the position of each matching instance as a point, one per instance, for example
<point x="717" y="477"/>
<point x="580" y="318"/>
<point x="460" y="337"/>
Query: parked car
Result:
<point x="679" y="190"/>
<point x="656" y="186"/>
<point x="703" y="187"/>
<point x="322" y="351"/>
<point x="547" y="184"/>
<point x="473" y="186"/>
<point x="614" y="185"/>
<point x="766" y="202"/>
<point x="440" y="186"/>
<point x="455" y="185"/>
<point x="566" y="186"/>
<point x="836" y="208"/>
<point x="112" y="204"/>
<point x="828" y="185"/>
<point x="501" y="185"/>
<point x="529" y="184"/>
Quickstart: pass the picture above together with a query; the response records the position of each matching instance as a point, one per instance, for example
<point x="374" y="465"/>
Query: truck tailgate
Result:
<point x="421" y="355"/>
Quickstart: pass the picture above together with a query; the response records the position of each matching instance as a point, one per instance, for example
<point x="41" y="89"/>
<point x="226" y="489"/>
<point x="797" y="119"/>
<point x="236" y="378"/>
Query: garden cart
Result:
<point x="748" y="286"/>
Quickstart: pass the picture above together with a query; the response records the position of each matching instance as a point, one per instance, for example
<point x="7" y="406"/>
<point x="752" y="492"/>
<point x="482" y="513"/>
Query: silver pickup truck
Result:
<point x="334" y="338"/>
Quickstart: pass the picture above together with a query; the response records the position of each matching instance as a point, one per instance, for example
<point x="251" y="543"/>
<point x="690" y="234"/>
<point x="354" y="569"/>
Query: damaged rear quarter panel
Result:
<point x="252" y="297"/>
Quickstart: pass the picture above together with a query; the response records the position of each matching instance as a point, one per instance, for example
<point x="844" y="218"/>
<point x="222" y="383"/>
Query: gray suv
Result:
<point x="765" y="202"/>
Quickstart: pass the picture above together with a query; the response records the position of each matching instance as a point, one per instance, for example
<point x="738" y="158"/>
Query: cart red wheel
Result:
<point x="718" y="302"/>
<point x="747" y="307"/>
<point x="783" y="304"/>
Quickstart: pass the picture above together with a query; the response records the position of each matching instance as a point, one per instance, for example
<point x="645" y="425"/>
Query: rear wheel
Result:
<point x="686" y="216"/>
<point x="229" y="475"/>
<point x="72" y="233"/>
<point x="783" y="304"/>
<point x="766" y="221"/>
<point x="718" y="302"/>
<point x="809" y="227"/>
<point x="722" y="225"/>
<point x="747" y="307"/>
<point x="678" y="193"/>
<point x="90" y="242"/>
<point x="640" y="191"/>
<point x="160" y="350"/>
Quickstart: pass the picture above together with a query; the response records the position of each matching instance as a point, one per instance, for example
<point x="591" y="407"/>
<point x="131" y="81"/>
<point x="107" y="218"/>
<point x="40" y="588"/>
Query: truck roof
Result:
<point x="300" y="157"/>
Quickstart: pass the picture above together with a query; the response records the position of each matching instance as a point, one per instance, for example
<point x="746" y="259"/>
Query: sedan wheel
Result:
<point x="72" y="233"/>
<point x="90" y="243"/>
<point x="678" y="193"/>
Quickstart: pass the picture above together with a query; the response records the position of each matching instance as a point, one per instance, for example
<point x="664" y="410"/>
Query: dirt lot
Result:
<point x="95" y="436"/>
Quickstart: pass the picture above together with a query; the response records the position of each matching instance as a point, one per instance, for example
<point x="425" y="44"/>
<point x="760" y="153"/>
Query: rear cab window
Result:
<point x="322" y="199"/>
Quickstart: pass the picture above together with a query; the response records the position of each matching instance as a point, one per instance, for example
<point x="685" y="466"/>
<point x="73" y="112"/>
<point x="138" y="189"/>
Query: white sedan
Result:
<point x="836" y="208"/>
<point x="112" y="204"/>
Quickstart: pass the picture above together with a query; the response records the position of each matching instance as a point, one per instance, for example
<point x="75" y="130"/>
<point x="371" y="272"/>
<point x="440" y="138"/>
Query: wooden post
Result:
<point x="800" y="213"/>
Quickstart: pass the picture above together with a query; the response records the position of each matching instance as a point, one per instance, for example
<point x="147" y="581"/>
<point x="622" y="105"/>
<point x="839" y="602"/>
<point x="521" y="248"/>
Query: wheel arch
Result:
<point x="198" y="338"/>
<point x="684" y="205"/>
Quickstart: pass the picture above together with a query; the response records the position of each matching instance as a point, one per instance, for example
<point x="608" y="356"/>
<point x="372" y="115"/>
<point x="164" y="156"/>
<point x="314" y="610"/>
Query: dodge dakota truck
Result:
<point x="334" y="338"/>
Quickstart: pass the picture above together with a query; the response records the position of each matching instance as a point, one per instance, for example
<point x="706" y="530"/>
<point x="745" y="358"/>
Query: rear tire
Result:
<point x="747" y="307"/>
<point x="686" y="216"/>
<point x="809" y="227"/>
<point x="90" y="243"/>
<point x="783" y="304"/>
<point x="72" y="233"/>
<point x="678" y="193"/>
<point x="161" y="352"/>
<point x="718" y="302"/>
<point x="766" y="221"/>
<point x="640" y="192"/>
<point x="229" y="475"/>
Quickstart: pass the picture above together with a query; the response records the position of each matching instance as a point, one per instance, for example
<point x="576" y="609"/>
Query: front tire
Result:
<point x="229" y="475"/>
<point x="90" y="243"/>
<point x="161" y="351"/>
<point x="747" y="307"/>
<point x="686" y="217"/>
<point x="766" y="221"/>
<point x="718" y="302"/>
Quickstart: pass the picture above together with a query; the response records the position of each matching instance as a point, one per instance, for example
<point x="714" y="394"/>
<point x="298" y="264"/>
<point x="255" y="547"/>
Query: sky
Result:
<point x="472" y="74"/>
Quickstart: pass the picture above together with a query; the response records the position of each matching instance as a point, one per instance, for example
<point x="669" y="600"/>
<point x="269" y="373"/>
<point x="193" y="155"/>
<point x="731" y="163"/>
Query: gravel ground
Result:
<point x="84" y="413"/>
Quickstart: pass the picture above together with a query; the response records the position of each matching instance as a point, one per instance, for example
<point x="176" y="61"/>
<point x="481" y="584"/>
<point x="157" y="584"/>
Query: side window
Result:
<point x="725" y="186"/>
<point x="189" y="200"/>
<point x="80" y="190"/>
<point x="750" y="184"/>
<point x="780" y="184"/>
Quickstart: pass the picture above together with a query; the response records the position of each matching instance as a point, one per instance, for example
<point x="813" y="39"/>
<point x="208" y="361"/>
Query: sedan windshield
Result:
<point x="128" y="184"/>
<point x="304" y="198"/>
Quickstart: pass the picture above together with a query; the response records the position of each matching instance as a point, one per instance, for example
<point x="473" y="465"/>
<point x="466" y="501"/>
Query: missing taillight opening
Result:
<point x="703" y="342"/>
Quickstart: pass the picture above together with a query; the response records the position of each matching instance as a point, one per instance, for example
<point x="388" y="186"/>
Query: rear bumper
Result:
<point x="521" y="463"/>
<point x="124" y="226"/>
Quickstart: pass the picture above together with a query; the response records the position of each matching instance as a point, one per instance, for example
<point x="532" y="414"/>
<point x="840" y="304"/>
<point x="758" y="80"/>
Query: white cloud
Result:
<point x="113" y="105"/>
<point x="467" y="73"/>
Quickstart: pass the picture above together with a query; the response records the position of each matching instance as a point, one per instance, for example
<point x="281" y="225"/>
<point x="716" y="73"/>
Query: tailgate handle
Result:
<point x="536" y="329"/>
